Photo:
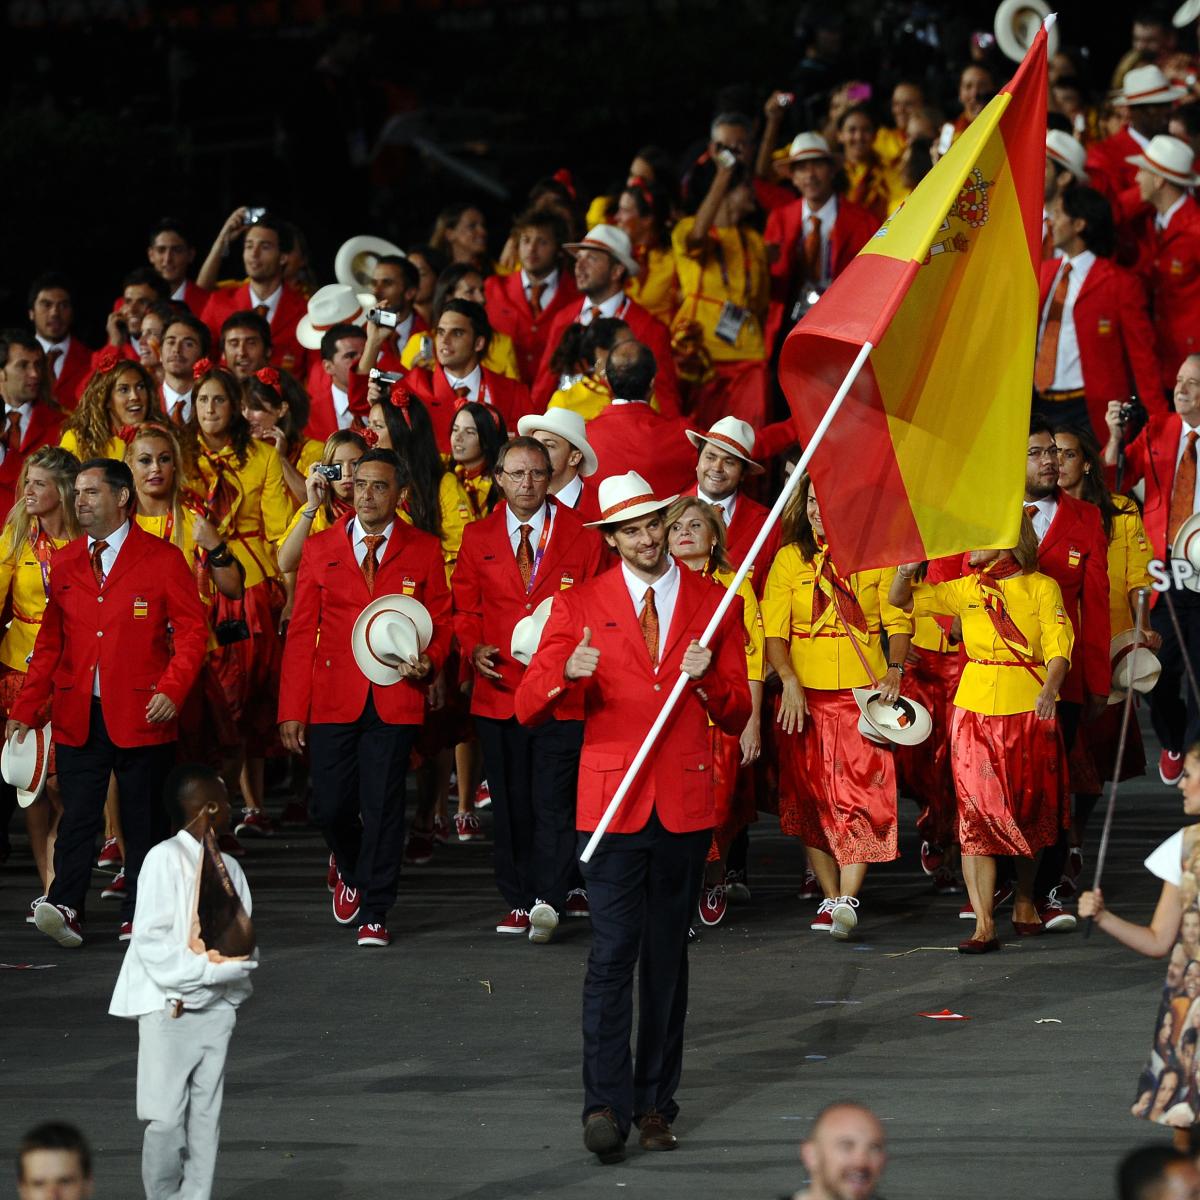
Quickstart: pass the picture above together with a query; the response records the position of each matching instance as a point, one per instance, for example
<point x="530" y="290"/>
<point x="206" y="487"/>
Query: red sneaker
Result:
<point x="331" y="876"/>
<point x="932" y="858"/>
<point x="419" y="849"/>
<point x="1170" y="767"/>
<point x="115" y="890"/>
<point x="295" y="812"/>
<point x="126" y="933"/>
<point x="577" y="904"/>
<point x="467" y="826"/>
<point x="228" y="844"/>
<point x="374" y="933"/>
<point x="483" y="795"/>
<point x="59" y="922"/>
<point x="712" y="904"/>
<point x="811" y="889"/>
<point x="255" y="823"/>
<point x="110" y="856"/>
<point x="823" y="921"/>
<point x="1055" y="918"/>
<point x="441" y="829"/>
<point x="345" y="903"/>
<point x="516" y="921"/>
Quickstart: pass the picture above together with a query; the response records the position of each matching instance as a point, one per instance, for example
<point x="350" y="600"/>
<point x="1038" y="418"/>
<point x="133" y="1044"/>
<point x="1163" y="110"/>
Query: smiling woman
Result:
<point x="115" y="401"/>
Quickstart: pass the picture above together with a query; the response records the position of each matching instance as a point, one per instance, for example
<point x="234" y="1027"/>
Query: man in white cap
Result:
<point x="1172" y="256"/>
<point x="1146" y="98"/>
<point x="572" y="459"/>
<point x="1065" y="165"/>
<point x="812" y="240"/>
<point x="604" y="261"/>
<point x="617" y="646"/>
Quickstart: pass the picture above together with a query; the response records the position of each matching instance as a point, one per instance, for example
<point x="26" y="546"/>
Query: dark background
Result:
<point x="118" y="113"/>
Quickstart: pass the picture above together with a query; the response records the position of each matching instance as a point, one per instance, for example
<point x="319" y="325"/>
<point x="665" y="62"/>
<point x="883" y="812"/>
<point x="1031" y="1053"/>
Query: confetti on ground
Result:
<point x="837" y="1001"/>
<point x="918" y="949"/>
<point x="815" y="1057"/>
<point x="860" y="949"/>
<point x="1047" y="1021"/>
<point x="487" y="983"/>
<point x="27" y="966"/>
<point x="944" y="1015"/>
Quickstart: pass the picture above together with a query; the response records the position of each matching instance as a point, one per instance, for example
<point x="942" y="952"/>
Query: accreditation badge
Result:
<point x="141" y="608"/>
<point x="1074" y="557"/>
<point x="1104" y="327"/>
<point x="408" y="586"/>
<point x="565" y="582"/>
<point x="1176" y="267"/>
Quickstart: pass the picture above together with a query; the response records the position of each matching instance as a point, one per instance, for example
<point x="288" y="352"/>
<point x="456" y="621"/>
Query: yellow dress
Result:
<point x="501" y="358"/>
<point x="656" y="287"/>
<point x="21" y="575"/>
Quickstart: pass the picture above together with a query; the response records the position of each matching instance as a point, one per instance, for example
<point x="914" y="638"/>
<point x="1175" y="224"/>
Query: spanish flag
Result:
<point x="927" y="455"/>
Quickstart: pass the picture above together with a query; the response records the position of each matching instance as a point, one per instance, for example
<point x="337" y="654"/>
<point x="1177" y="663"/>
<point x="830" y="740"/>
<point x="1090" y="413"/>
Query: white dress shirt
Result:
<point x="513" y="524"/>
<point x="1046" y="508"/>
<point x="357" y="533"/>
<point x="612" y="307"/>
<point x="666" y="590"/>
<point x="180" y="293"/>
<point x="26" y="411"/>
<point x="404" y="331"/>
<point x="1183" y="440"/>
<point x="159" y="966"/>
<point x="271" y="301"/>
<point x="341" y="406"/>
<point x="570" y="492"/>
<point x="171" y="397"/>
<point x="1163" y="219"/>
<point x="474" y="382"/>
<point x="827" y="215"/>
<point x="726" y="506"/>
<point x="548" y="292"/>
<point x="108" y="558"/>
<point x="63" y="347"/>
<point x="1068" y="370"/>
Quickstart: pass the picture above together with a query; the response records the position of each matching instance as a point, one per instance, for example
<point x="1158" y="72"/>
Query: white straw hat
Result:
<point x="905" y="723"/>
<point x="566" y="424"/>
<point x="527" y="632"/>
<point x="390" y="631"/>
<point x="1016" y="24"/>
<point x="733" y="437"/>
<point x="627" y="497"/>
<point x="805" y="147"/>
<point x="26" y="766"/>
<point x="354" y="263"/>
<point x="612" y="241"/>
<point x="1148" y="85"/>
<point x="1168" y="157"/>
<point x="333" y="304"/>
<point x="1068" y="153"/>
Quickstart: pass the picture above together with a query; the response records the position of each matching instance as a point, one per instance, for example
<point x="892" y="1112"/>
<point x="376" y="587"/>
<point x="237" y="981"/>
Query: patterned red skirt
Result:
<point x="248" y="670"/>
<point x="1093" y="757"/>
<point x="837" y="791"/>
<point x="1010" y="773"/>
<point x="924" y="770"/>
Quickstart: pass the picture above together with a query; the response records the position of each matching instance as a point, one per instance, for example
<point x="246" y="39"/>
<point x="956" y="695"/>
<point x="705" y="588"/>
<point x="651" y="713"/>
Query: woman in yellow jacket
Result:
<point x="468" y="491"/>
<point x="118" y="397"/>
<point x="837" y="791"/>
<point x="40" y="524"/>
<point x="1093" y="756"/>
<point x="696" y="536"/>
<point x="644" y="212"/>
<point x="278" y="417"/>
<point x="238" y="484"/>
<point x="1006" y="751"/>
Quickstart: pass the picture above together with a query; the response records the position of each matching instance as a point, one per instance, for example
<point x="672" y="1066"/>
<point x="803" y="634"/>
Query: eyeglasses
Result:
<point x="537" y="474"/>
<point x="1043" y="451"/>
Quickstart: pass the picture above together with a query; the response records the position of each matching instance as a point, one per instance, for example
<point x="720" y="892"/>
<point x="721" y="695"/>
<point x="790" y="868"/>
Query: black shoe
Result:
<point x="602" y="1136"/>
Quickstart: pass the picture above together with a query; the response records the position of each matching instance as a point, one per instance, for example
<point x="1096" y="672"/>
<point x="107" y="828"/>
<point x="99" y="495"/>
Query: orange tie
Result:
<point x="525" y="556"/>
<point x="52" y="357"/>
<point x="1047" y="240"/>
<point x="177" y="413"/>
<point x="262" y="310"/>
<point x="370" y="562"/>
<point x="536" y="291"/>
<point x="1183" y="490"/>
<point x="649" y="623"/>
<point x="1047" y="355"/>
<point x="98" y="548"/>
<point x="462" y="392"/>
<point x="12" y="435"/>
<point x="812" y="250"/>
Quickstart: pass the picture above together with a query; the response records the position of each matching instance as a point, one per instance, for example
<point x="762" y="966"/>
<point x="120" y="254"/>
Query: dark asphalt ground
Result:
<point x="448" y="1065"/>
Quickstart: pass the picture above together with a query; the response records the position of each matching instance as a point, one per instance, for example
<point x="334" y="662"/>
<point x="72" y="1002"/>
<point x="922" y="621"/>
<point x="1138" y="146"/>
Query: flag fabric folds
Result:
<point x="926" y="456"/>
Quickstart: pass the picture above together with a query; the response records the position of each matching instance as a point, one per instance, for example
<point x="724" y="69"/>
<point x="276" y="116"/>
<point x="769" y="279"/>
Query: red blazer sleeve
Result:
<point x="35" y="691"/>
<point x="300" y="649"/>
<point x="774" y="439"/>
<point x="189" y="625"/>
<point x="725" y="682"/>
<point x="543" y="685"/>
<point x="1094" y="612"/>
<point x="441" y="609"/>
<point x="1137" y="333"/>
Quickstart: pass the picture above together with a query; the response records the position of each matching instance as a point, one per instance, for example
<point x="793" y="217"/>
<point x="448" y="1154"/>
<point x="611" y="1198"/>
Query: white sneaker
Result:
<point x="844" y="917"/>
<point x="32" y="907"/>
<point x="543" y="921"/>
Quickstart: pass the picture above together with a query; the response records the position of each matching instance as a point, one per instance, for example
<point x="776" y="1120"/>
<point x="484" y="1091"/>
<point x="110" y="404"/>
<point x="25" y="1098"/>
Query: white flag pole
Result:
<point x="747" y="565"/>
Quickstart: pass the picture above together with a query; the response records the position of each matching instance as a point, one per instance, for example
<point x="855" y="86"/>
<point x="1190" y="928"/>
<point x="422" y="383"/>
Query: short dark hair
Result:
<point x="335" y="333"/>
<point x="1039" y="424"/>
<point x="1083" y="203"/>
<point x="168" y="225"/>
<point x="392" y="459"/>
<point x="412" y="277"/>
<point x="521" y="442"/>
<point x="148" y="277"/>
<point x="246" y="319"/>
<point x="474" y="313"/>
<point x="282" y="229"/>
<point x="632" y="380"/>
<point x="48" y="281"/>
<point x="16" y="337"/>
<point x="180" y="781"/>
<point x="116" y="474"/>
<point x="55" y="1135"/>
<point x="544" y="219"/>
<point x="193" y="323"/>
<point x="1141" y="1171"/>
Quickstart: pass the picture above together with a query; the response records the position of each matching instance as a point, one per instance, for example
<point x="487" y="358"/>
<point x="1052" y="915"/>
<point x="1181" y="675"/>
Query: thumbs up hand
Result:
<point x="584" y="659"/>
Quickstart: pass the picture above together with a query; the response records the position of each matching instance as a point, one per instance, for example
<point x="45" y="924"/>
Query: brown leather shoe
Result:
<point x="656" y="1133"/>
<point x="602" y="1136"/>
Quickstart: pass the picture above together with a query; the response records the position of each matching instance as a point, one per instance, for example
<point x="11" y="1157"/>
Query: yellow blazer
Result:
<point x="1035" y="604"/>
<point x="656" y="288"/>
<point x="21" y="574"/>
<point x="460" y="501"/>
<point x="756" y="638"/>
<point x="827" y="661"/>
<point x="1129" y="554"/>
<point x="113" y="448"/>
<point x="501" y="357"/>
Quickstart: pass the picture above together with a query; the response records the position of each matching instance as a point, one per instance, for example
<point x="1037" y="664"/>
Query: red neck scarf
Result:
<point x="1004" y="567"/>
<point x="833" y="594"/>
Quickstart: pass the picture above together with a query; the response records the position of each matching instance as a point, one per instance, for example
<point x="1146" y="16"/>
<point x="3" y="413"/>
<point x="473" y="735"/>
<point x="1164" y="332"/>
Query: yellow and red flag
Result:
<point x="926" y="456"/>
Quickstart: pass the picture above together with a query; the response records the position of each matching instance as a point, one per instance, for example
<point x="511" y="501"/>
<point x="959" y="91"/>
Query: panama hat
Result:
<point x="1187" y="547"/>
<point x="804" y="147"/>
<point x="527" y="632"/>
<point x="612" y="241"/>
<point x="1148" y="85"/>
<point x="25" y="766"/>
<point x="1185" y="14"/>
<point x="905" y="723"/>
<point x="734" y="437"/>
<point x="390" y="631"/>
<point x="1016" y="25"/>
<point x="1168" y="157"/>
<point x="1068" y="153"/>
<point x="333" y="304"/>
<point x="1137" y="668"/>
<point x="567" y="425"/>
<point x="627" y="497"/>
<point x="354" y="263"/>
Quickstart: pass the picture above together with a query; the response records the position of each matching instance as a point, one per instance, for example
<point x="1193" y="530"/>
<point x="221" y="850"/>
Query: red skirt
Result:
<point x="737" y="389"/>
<point x="924" y="770"/>
<point x="1010" y="773"/>
<point x="1093" y="757"/>
<point x="837" y="791"/>
<point x="248" y="671"/>
<point x="734" y="793"/>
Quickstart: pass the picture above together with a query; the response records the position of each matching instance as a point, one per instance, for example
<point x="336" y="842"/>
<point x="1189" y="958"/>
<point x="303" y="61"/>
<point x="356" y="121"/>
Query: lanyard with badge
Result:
<point x="543" y="541"/>
<point x="733" y="316"/>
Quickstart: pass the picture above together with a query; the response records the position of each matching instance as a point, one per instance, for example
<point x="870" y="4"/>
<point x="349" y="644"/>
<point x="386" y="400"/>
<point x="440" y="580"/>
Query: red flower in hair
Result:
<point x="202" y="367"/>
<point x="370" y="437"/>
<point x="269" y="377"/>
<point x="400" y="397"/>
<point x="564" y="176"/>
<point x="107" y="359"/>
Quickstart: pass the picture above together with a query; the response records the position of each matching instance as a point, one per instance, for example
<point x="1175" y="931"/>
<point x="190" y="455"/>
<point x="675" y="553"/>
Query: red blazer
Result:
<point x="320" y="682"/>
<point x="1174" y="285"/>
<point x="622" y="699"/>
<point x="43" y="430"/>
<point x="195" y="297"/>
<point x="648" y="330"/>
<point x="748" y="518"/>
<point x="508" y="396"/>
<point x="489" y="597"/>
<point x="1151" y="457"/>
<point x="1116" y="339"/>
<point x="852" y="229"/>
<point x="286" y="353"/>
<point x="146" y="628"/>
<point x="633" y="437"/>
<point x="1074" y="553"/>
<point x="322" y="416"/>
<point x="76" y="371"/>
<point x="1110" y="174"/>
<point x="509" y="312"/>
